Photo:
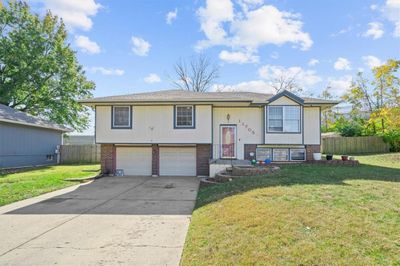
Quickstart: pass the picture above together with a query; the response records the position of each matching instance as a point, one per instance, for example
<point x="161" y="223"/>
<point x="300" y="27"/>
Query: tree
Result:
<point x="381" y="92"/>
<point x="286" y="81"/>
<point x="328" y="116"/>
<point x="196" y="75"/>
<point x="39" y="72"/>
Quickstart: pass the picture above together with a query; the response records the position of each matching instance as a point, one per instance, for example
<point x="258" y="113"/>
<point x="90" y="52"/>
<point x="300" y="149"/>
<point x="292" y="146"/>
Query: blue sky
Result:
<point x="131" y="46"/>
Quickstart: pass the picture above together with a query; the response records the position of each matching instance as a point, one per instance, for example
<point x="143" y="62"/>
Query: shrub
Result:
<point x="350" y="129"/>
<point x="393" y="138"/>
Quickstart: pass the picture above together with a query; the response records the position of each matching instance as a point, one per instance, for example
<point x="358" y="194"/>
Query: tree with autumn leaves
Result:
<point x="380" y="98"/>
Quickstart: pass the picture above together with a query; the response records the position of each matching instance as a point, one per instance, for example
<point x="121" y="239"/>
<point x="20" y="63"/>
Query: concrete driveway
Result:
<point x="113" y="220"/>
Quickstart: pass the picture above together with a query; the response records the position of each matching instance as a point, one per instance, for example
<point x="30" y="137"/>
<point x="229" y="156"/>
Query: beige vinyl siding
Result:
<point x="312" y="125"/>
<point x="283" y="101"/>
<point x="153" y="124"/>
<point x="246" y="120"/>
<point x="287" y="138"/>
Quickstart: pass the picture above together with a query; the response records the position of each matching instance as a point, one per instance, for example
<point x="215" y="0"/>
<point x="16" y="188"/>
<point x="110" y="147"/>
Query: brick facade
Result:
<point x="310" y="149"/>
<point x="203" y="155"/>
<point x="108" y="158"/>
<point x="155" y="163"/>
<point x="249" y="148"/>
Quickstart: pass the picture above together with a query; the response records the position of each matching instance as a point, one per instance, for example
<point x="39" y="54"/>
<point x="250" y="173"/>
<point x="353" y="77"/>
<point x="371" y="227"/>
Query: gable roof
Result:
<point x="288" y="94"/>
<point x="10" y="115"/>
<point x="191" y="96"/>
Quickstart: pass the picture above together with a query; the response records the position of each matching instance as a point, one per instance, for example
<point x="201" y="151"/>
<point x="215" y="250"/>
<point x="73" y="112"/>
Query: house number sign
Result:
<point x="245" y="125"/>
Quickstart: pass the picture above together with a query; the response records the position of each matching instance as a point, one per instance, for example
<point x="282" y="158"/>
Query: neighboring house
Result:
<point x="79" y="139"/>
<point x="178" y="132"/>
<point x="26" y="140"/>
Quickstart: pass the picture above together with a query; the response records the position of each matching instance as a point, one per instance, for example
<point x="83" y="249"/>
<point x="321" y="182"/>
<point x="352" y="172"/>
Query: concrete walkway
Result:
<point x="113" y="220"/>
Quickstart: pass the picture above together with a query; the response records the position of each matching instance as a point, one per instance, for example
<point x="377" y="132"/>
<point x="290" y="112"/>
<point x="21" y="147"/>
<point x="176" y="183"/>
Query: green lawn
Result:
<point x="27" y="184"/>
<point x="302" y="215"/>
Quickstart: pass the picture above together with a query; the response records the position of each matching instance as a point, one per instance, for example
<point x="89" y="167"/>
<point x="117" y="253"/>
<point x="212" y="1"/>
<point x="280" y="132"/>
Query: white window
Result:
<point x="121" y="117"/>
<point x="184" y="116"/>
<point x="283" y="119"/>
<point x="263" y="154"/>
<point x="281" y="155"/>
<point x="297" y="154"/>
<point x="275" y="118"/>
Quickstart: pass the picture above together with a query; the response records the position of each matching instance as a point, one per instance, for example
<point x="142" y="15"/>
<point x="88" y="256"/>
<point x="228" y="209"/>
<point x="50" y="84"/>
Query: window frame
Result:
<point x="113" y="126"/>
<point x="293" y="160"/>
<point x="267" y="111"/>
<point x="176" y="126"/>
<point x="288" y="154"/>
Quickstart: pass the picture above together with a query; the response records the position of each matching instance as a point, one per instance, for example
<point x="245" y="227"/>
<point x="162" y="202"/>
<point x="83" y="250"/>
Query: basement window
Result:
<point x="297" y="154"/>
<point x="280" y="155"/>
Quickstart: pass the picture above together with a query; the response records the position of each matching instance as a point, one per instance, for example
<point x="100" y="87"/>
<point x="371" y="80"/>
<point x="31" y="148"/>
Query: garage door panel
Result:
<point x="134" y="160"/>
<point x="177" y="161"/>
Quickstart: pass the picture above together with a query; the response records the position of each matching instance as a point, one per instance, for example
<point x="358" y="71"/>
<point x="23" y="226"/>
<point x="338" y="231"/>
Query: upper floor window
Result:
<point x="283" y="119"/>
<point x="184" y="116"/>
<point x="121" y="117"/>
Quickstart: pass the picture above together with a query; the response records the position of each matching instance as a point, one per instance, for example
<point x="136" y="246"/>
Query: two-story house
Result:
<point x="176" y="132"/>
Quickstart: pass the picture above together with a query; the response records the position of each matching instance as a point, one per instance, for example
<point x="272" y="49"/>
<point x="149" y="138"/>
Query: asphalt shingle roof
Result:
<point x="10" y="115"/>
<point x="185" y="96"/>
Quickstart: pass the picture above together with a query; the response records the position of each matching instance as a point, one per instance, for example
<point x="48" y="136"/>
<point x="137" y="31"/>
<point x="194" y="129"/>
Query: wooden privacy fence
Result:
<point x="80" y="153"/>
<point x="350" y="145"/>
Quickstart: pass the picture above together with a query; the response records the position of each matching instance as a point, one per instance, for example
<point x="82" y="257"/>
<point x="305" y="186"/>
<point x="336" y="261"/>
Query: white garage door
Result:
<point x="178" y="161"/>
<point x="134" y="160"/>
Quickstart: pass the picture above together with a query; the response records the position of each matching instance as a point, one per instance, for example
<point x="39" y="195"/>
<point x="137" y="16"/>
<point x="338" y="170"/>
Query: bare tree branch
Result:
<point x="196" y="75"/>
<point x="286" y="82"/>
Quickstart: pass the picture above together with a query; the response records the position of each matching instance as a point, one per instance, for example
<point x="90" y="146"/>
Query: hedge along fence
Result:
<point x="350" y="145"/>
<point x="80" y="153"/>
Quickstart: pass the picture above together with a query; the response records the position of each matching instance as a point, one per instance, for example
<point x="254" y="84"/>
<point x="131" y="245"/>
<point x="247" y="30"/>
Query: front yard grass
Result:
<point x="31" y="183"/>
<point x="302" y="215"/>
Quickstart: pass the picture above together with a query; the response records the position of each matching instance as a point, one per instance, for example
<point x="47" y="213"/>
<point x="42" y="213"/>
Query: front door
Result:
<point x="228" y="141"/>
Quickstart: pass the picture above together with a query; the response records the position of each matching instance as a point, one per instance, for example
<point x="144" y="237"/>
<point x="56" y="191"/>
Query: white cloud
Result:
<point x="342" y="64"/>
<point x="373" y="7"/>
<point x="152" y="78"/>
<point x="212" y="18"/>
<point x="268" y="75"/>
<point x="250" y="27"/>
<point x="106" y="71"/>
<point x="342" y="31"/>
<point x="313" y="62"/>
<point x="86" y="45"/>
<point x="140" y="46"/>
<point x="268" y="25"/>
<point x="371" y="61"/>
<point x="75" y="13"/>
<point x="375" y="30"/>
<point x="392" y="12"/>
<point x="238" y="57"/>
<point x="171" y="16"/>
<point x="274" y="55"/>
<point x="259" y="86"/>
<point x="339" y="85"/>
<point x="304" y="78"/>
